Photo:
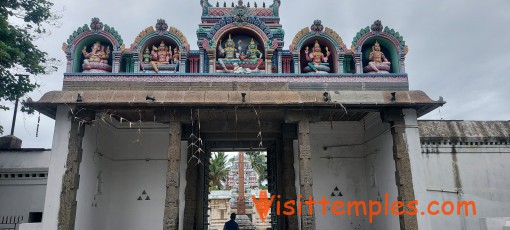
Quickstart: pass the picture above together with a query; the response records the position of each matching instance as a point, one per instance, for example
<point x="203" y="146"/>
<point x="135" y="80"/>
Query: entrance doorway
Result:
<point x="234" y="177"/>
<point x="259" y="177"/>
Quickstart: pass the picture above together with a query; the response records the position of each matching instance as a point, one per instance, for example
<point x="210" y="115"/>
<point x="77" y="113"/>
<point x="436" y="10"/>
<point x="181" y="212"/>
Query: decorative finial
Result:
<point x="224" y="4"/>
<point x="263" y="4"/>
<point x="248" y="5"/>
<point x="255" y="4"/>
<point x="96" y="25"/>
<point x="217" y="4"/>
<point x="161" y="26"/>
<point x="232" y="4"/>
<point x="377" y="26"/>
<point x="317" y="26"/>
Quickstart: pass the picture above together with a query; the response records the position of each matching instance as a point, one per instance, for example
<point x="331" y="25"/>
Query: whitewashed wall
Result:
<point x="131" y="175"/>
<point x="362" y="169"/>
<point x="23" y="179"/>
<point x="379" y="168"/>
<point x="130" y="164"/>
<point x="483" y="173"/>
<point x="93" y="198"/>
<point x="57" y="168"/>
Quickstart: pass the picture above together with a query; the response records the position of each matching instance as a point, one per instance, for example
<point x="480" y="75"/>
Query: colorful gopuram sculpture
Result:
<point x="177" y="56"/>
<point x="228" y="52"/>
<point x="160" y="55"/>
<point x="317" y="61"/>
<point x="146" y="58"/>
<point x="97" y="59"/>
<point x="378" y="62"/>
<point x="239" y="57"/>
<point x="252" y="54"/>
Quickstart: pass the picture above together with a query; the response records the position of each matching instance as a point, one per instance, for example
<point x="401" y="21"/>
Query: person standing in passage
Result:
<point x="231" y="224"/>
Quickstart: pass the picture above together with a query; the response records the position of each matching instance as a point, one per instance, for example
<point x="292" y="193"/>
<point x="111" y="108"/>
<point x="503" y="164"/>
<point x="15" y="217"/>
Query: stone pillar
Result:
<point x="136" y="62"/>
<point x="191" y="191"/>
<point x="71" y="178"/>
<point x="357" y="62"/>
<point x="305" y="173"/>
<point x="171" y="214"/>
<point x="288" y="176"/>
<point x="403" y="175"/>
<point x="241" y="200"/>
<point x="297" y="64"/>
<point x="341" y="58"/>
<point x="116" y="61"/>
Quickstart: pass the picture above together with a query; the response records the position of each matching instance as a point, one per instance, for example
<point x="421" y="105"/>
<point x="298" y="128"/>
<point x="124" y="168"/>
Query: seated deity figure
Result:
<point x="253" y="54"/>
<point x="317" y="61"/>
<point x="229" y="52"/>
<point x="160" y="55"/>
<point x="97" y="59"/>
<point x="378" y="62"/>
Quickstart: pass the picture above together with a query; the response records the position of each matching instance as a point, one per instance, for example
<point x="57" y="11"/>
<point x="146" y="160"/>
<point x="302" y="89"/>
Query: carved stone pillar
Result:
<point x="403" y="175"/>
<point x="136" y="62"/>
<point x="171" y="215"/>
<point x="297" y="65"/>
<point x="357" y="62"/>
<point x="191" y="192"/>
<point x="116" y="61"/>
<point x="71" y="178"/>
<point x="182" y="62"/>
<point x="211" y="54"/>
<point x="341" y="58"/>
<point x="305" y="173"/>
<point x="69" y="66"/>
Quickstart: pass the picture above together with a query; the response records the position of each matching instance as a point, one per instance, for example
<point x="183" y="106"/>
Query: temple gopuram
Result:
<point x="136" y="122"/>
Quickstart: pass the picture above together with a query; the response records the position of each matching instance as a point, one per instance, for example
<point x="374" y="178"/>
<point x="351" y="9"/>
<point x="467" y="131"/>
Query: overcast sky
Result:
<point x="458" y="49"/>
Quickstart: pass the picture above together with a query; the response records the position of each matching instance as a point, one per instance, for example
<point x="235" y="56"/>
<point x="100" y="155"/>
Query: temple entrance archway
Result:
<point x="244" y="134"/>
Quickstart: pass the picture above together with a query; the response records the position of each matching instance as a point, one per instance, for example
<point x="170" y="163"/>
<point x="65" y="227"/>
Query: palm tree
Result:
<point x="258" y="161"/>
<point x="218" y="171"/>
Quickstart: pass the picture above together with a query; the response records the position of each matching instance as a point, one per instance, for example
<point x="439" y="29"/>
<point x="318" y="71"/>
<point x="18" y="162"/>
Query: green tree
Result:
<point x="218" y="171"/>
<point x="258" y="161"/>
<point x="21" y="23"/>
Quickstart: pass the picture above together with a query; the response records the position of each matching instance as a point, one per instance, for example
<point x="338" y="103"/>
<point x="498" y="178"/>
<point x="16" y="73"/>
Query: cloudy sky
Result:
<point x="459" y="49"/>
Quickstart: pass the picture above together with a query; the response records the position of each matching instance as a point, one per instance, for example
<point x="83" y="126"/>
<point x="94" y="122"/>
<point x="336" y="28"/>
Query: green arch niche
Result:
<point x="386" y="47"/>
<point x="88" y="41"/>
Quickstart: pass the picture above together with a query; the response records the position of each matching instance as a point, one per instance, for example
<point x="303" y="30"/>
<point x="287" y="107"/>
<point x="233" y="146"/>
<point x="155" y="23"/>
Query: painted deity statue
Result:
<point x="146" y="56"/>
<point x="97" y="59"/>
<point x="317" y="61"/>
<point x="253" y="53"/>
<point x="229" y="52"/>
<point x="160" y="55"/>
<point x="378" y="62"/>
<point x="177" y="55"/>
